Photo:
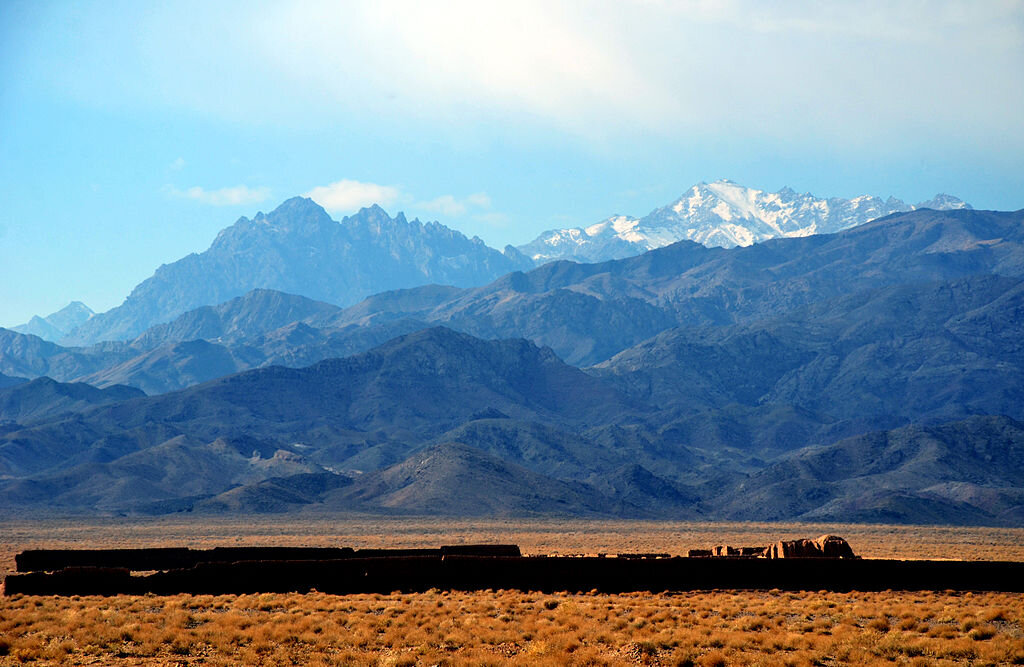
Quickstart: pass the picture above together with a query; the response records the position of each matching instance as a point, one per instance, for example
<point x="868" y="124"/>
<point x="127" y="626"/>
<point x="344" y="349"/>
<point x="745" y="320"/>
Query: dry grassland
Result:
<point x="512" y="627"/>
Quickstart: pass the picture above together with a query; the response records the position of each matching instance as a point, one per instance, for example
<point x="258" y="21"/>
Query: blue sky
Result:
<point x="130" y="133"/>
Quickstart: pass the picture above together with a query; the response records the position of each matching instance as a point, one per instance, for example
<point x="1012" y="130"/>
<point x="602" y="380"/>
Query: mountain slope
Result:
<point x="722" y="214"/>
<point x="909" y="352"/>
<point x="30" y="356"/>
<point x="175" y="366"/>
<point x="256" y="312"/>
<point x="10" y="381"/>
<point x="589" y="312"/>
<point x="453" y="479"/>
<point x="542" y="448"/>
<point x="172" y="475"/>
<point x="299" y="249"/>
<point x="44" y="398"/>
<point x="967" y="471"/>
<point x="273" y="495"/>
<point x="131" y="456"/>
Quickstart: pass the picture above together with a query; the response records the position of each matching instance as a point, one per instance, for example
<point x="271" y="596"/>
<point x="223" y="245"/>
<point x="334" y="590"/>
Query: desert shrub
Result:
<point x="713" y="659"/>
<point x="880" y="624"/>
<point x="982" y="633"/>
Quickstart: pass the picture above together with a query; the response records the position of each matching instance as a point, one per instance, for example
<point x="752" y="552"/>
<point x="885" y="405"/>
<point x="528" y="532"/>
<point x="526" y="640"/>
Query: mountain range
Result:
<point x="875" y="374"/>
<point x="589" y="312"/>
<point x="586" y="313"/>
<point x="720" y="214"/>
<point x="440" y="422"/>
<point x="297" y="248"/>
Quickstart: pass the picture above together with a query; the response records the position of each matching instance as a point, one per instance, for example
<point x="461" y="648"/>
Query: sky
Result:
<point x="132" y="132"/>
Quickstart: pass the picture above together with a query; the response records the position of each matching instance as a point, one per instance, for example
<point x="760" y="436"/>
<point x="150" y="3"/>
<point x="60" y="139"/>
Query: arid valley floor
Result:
<point x="513" y="627"/>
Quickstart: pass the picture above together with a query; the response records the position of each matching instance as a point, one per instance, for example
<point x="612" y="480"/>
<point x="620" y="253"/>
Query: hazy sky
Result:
<point x="130" y="133"/>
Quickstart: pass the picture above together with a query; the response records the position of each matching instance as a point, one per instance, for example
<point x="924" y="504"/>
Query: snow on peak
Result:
<point x="721" y="213"/>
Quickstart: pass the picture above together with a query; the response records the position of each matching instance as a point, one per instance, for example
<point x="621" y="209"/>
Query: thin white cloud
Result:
<point x="233" y="196"/>
<point x="347" y="195"/>
<point x="497" y="220"/>
<point x="177" y="165"/>
<point x="449" y="205"/>
<point x="445" y="205"/>
<point x="479" y="199"/>
<point x="855" y="74"/>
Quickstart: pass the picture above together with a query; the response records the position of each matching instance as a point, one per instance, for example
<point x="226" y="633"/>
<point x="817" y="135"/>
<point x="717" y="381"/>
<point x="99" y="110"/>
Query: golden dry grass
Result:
<point x="512" y="627"/>
<point x="493" y="627"/>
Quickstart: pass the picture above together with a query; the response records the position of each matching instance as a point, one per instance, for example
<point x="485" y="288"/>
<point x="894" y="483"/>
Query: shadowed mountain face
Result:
<point x="241" y="318"/>
<point x="213" y="341"/>
<point x="970" y="471"/>
<point x="907" y="353"/>
<point x="38" y="399"/>
<point x="10" y="381"/>
<point x="174" y="366"/>
<point x="299" y="249"/>
<point x="172" y="474"/>
<point x="30" y="356"/>
<point x="542" y="437"/>
<point x="456" y="480"/>
<point x="270" y="496"/>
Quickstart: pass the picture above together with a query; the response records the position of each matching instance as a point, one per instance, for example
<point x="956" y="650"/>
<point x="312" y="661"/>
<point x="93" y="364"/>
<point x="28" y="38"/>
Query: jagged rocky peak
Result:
<point x="295" y="215"/>
<point x="724" y="214"/>
<point x="297" y="207"/>
<point x="944" y="202"/>
<point x="244" y="227"/>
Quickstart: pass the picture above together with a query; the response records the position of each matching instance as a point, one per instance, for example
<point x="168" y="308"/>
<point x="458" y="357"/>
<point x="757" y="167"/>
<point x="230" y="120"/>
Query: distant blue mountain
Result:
<point x="299" y="249"/>
<point x="55" y="326"/>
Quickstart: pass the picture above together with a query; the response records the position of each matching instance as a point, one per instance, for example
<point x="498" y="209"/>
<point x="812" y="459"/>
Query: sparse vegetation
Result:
<point x="488" y="627"/>
<point x="512" y="627"/>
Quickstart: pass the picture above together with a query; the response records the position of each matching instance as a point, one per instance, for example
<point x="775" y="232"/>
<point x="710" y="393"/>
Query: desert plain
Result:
<point x="714" y="627"/>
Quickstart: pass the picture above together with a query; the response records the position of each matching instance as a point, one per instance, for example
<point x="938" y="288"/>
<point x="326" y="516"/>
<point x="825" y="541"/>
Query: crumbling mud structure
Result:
<point x="827" y="563"/>
<point x="826" y="546"/>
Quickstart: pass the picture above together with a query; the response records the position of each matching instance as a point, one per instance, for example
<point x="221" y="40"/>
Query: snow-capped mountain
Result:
<point x="723" y="214"/>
